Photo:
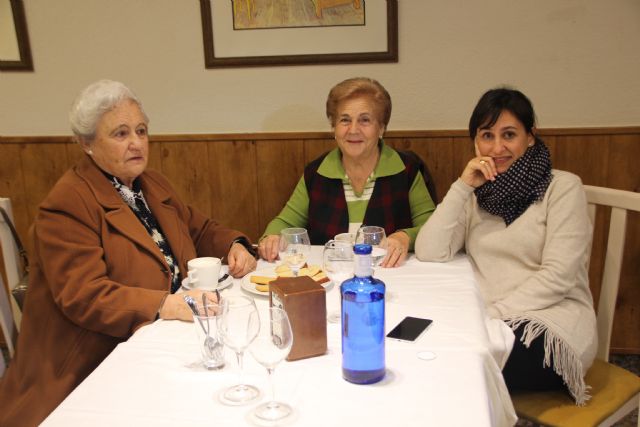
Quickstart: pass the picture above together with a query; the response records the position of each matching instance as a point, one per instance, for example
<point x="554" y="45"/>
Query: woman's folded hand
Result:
<point x="174" y="307"/>
<point x="397" y="249"/>
<point x="240" y="261"/>
<point x="268" y="247"/>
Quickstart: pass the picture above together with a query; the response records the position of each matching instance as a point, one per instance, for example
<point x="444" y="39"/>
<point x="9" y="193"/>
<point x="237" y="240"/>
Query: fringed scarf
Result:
<point x="523" y="184"/>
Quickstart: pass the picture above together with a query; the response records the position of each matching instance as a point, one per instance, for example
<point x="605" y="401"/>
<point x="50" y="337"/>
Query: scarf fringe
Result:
<point x="565" y="361"/>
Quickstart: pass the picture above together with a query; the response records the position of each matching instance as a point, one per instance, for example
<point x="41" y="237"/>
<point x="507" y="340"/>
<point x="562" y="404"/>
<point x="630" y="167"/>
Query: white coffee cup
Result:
<point x="345" y="237"/>
<point x="204" y="272"/>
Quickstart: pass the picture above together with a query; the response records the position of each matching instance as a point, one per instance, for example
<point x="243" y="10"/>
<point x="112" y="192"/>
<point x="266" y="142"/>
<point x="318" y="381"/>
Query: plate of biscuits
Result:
<point x="258" y="282"/>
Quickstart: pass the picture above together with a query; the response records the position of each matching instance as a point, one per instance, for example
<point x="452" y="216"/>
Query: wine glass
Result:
<point x="376" y="237"/>
<point x="294" y="247"/>
<point x="238" y="326"/>
<point x="272" y="344"/>
<point x="337" y="263"/>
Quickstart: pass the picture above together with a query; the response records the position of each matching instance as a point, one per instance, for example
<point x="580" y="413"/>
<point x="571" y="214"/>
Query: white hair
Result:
<point x="95" y="100"/>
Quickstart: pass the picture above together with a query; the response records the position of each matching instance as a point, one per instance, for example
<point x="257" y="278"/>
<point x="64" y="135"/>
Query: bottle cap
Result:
<point x="362" y="249"/>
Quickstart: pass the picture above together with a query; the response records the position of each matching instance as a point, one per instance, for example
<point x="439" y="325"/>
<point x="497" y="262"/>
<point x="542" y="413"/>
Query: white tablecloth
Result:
<point x="154" y="379"/>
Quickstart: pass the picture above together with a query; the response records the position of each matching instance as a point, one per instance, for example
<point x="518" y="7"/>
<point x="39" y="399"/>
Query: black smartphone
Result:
<point x="410" y="328"/>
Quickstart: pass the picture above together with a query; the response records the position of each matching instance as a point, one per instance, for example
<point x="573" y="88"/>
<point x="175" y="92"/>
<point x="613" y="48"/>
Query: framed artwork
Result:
<point x="15" y="53"/>
<point x="252" y="33"/>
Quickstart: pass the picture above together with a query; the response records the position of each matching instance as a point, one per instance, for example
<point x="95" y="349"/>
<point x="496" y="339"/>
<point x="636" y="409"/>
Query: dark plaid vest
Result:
<point x="388" y="207"/>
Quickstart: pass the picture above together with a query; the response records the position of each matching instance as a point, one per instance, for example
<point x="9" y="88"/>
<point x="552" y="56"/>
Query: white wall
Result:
<point x="578" y="60"/>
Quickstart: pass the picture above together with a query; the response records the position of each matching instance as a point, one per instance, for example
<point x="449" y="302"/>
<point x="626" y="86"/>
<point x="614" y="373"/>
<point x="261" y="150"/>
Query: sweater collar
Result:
<point x="389" y="163"/>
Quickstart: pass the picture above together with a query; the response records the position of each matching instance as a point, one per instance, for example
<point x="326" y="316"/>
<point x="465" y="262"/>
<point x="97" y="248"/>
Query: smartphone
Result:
<point x="409" y="329"/>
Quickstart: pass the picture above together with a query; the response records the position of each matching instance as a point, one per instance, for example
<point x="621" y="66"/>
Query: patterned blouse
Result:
<point x="135" y="199"/>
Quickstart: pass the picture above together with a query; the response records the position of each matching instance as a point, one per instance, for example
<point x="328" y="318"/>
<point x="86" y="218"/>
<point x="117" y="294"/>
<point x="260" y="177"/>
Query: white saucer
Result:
<point x="221" y="285"/>
<point x="426" y="355"/>
<point x="267" y="272"/>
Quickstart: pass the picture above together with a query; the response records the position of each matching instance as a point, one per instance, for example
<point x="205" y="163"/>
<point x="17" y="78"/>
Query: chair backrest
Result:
<point x="9" y="248"/>
<point x="10" y="258"/>
<point x="7" y="325"/>
<point x="620" y="202"/>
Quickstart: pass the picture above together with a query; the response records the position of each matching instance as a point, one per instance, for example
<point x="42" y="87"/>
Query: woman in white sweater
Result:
<point x="526" y="230"/>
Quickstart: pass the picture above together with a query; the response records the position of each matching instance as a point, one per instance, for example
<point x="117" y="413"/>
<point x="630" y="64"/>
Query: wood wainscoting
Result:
<point x="243" y="180"/>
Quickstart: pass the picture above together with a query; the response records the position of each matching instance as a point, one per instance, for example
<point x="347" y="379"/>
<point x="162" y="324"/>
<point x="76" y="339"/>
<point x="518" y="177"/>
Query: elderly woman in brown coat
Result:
<point x="111" y="245"/>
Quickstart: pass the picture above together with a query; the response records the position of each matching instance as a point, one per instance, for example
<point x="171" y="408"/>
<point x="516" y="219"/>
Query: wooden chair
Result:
<point x="8" y="326"/>
<point x="10" y="259"/>
<point x="615" y="391"/>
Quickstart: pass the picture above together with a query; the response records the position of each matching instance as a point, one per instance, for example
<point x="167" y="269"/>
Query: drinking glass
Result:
<point x="209" y="342"/>
<point x="376" y="237"/>
<point x="270" y="347"/>
<point x="294" y="247"/>
<point x="337" y="263"/>
<point x="238" y="327"/>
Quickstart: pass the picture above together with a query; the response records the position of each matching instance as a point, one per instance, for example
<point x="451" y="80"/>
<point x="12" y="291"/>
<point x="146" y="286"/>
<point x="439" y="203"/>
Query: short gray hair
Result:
<point x="95" y="100"/>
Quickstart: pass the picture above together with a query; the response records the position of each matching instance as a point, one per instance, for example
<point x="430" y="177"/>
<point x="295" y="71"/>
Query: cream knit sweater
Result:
<point x="534" y="270"/>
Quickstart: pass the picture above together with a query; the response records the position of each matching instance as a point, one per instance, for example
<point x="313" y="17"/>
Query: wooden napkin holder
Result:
<point x="305" y="302"/>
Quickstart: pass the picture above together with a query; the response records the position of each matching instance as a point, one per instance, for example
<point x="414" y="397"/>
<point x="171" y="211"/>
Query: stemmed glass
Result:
<point x="238" y="326"/>
<point x="294" y="247"/>
<point x="377" y="238"/>
<point x="272" y="344"/>
<point x="337" y="263"/>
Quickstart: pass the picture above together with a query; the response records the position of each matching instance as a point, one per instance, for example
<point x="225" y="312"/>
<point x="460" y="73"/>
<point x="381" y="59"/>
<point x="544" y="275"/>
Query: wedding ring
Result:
<point x="482" y="162"/>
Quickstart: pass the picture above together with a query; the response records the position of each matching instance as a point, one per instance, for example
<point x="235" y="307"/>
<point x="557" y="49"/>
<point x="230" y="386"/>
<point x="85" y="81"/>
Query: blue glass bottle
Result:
<point x="362" y="322"/>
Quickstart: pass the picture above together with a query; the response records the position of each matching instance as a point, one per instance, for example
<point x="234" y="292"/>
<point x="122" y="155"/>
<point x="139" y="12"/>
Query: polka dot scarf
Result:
<point x="523" y="184"/>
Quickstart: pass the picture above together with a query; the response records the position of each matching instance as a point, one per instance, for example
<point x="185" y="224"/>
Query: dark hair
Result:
<point x="494" y="102"/>
<point x="356" y="87"/>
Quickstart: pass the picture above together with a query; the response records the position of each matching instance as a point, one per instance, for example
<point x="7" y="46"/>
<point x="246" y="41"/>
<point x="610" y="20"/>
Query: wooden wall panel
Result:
<point x="234" y="185"/>
<point x="438" y="155"/>
<point x="42" y="165"/>
<point x="187" y="166"/>
<point x="585" y="156"/>
<point x="74" y="152"/>
<point x="155" y="157"/>
<point x="313" y="148"/>
<point x="243" y="180"/>
<point x="624" y="157"/>
<point x="280" y="164"/>
<point x="12" y="185"/>
<point x="624" y="152"/>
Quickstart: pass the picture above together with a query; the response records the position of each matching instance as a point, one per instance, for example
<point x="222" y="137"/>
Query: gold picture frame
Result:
<point x="13" y="16"/>
<point x="226" y="47"/>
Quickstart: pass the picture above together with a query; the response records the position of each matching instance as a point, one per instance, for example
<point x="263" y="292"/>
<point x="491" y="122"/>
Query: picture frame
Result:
<point x="375" y="41"/>
<point x="20" y="57"/>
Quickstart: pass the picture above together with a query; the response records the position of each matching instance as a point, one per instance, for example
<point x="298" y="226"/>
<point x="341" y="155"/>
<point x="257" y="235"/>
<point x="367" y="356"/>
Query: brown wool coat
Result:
<point x="96" y="277"/>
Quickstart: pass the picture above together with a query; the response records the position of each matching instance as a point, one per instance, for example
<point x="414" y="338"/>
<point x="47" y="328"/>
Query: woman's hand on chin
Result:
<point x="478" y="171"/>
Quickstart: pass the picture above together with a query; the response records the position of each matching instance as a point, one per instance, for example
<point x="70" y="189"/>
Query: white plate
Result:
<point x="221" y="285"/>
<point x="266" y="272"/>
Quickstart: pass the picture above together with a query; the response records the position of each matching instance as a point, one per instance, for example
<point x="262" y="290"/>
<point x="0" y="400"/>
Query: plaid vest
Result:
<point x="388" y="207"/>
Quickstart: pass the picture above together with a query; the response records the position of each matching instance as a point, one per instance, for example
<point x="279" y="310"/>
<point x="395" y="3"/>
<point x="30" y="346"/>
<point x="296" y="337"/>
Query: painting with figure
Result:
<point x="264" y="14"/>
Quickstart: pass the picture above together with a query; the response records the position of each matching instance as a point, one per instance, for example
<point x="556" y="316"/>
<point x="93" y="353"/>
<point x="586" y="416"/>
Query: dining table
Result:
<point x="450" y="376"/>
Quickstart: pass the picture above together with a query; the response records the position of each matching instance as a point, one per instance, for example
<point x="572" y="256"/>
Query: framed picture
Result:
<point x="251" y="33"/>
<point x="15" y="53"/>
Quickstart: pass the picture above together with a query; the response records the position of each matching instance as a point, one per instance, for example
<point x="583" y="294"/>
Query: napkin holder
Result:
<point x="305" y="302"/>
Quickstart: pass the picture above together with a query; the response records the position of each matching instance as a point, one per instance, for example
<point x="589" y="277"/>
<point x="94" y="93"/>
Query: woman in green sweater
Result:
<point x="362" y="181"/>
